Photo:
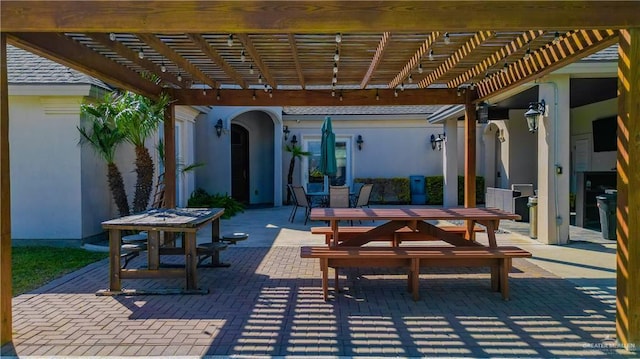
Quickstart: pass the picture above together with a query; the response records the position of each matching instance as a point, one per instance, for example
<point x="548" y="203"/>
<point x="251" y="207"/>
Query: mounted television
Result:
<point x="604" y="134"/>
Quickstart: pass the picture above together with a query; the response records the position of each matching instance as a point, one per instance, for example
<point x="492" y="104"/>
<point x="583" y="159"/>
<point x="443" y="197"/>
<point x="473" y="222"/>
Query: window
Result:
<point x="312" y="178"/>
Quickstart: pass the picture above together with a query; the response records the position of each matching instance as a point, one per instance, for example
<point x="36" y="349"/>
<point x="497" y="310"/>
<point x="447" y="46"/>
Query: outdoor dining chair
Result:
<point x="301" y="200"/>
<point x="364" y="195"/>
<point x="339" y="197"/>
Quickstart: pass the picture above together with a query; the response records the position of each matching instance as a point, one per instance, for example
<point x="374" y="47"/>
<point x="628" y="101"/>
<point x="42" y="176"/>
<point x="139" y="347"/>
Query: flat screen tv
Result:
<point x="604" y="134"/>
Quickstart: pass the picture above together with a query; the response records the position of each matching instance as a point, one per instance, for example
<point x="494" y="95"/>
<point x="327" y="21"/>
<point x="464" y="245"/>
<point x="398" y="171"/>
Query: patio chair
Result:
<point x="339" y="197"/>
<point x="363" y="195"/>
<point x="301" y="200"/>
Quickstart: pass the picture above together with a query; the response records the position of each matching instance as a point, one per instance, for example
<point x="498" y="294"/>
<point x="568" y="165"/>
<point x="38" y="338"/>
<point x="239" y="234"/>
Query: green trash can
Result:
<point x="607" y="203"/>
<point x="533" y="217"/>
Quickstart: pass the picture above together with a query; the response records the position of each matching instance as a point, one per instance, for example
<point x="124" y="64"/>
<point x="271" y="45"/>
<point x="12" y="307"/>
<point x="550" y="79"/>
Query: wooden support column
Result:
<point x="170" y="156"/>
<point x="5" y="203"/>
<point x="628" y="200"/>
<point x="469" y="154"/>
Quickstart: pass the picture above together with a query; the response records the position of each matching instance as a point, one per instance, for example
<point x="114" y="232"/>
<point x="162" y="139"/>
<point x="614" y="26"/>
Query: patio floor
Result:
<point x="269" y="303"/>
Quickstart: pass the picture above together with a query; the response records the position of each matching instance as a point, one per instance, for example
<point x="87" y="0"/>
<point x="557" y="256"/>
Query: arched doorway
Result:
<point x="240" y="164"/>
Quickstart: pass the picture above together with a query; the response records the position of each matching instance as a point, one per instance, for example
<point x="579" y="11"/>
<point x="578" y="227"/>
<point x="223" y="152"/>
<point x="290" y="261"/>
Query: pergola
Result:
<point x="339" y="53"/>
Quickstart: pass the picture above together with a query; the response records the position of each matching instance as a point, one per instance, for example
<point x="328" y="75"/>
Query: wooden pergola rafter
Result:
<point x="573" y="46"/>
<point x="212" y="54"/>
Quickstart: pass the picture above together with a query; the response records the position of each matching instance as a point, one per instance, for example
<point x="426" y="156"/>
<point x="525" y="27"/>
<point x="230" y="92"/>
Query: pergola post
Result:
<point x="469" y="154"/>
<point x="628" y="200"/>
<point x="170" y="156"/>
<point x="5" y="203"/>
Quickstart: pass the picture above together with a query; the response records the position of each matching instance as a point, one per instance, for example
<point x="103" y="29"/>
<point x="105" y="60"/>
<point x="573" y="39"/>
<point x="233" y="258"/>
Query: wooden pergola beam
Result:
<point x="214" y="56"/>
<point x="377" y="57"/>
<point x="628" y="197"/>
<point x="127" y="53"/>
<point x="296" y="60"/>
<point x="183" y="63"/>
<point x="5" y="201"/>
<point x="255" y="56"/>
<point x="576" y="45"/>
<point x="197" y="16"/>
<point x="465" y="50"/>
<point x="415" y="59"/>
<point x="61" y="49"/>
<point x="314" y="97"/>
<point x="507" y="50"/>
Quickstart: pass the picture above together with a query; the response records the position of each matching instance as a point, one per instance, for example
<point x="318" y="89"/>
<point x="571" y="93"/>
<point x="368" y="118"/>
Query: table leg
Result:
<point x="415" y="278"/>
<point x="114" y="260"/>
<point x="153" y="248"/>
<point x="215" y="237"/>
<point x="324" y="267"/>
<point x="190" y="260"/>
<point x="491" y="233"/>
<point x="334" y="227"/>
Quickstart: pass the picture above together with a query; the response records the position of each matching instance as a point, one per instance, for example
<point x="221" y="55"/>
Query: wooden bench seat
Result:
<point x="403" y="234"/>
<point x="413" y="258"/>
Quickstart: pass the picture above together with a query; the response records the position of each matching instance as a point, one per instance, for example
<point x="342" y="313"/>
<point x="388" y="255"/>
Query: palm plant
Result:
<point x="138" y="118"/>
<point x="104" y="137"/>
<point x="296" y="152"/>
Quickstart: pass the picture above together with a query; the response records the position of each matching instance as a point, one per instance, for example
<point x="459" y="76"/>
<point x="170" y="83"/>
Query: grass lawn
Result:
<point x="34" y="266"/>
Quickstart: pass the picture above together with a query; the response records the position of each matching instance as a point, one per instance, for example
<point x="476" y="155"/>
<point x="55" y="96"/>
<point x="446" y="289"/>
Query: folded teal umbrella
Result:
<point x="328" y="164"/>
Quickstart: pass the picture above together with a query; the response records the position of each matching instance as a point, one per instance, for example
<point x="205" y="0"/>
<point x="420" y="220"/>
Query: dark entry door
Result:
<point x="240" y="164"/>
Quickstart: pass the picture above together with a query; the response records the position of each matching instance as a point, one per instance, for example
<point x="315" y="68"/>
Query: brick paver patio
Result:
<point x="269" y="303"/>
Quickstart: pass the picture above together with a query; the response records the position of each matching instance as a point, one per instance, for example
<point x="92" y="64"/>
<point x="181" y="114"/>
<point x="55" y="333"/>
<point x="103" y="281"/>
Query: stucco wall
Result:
<point x="45" y="168"/>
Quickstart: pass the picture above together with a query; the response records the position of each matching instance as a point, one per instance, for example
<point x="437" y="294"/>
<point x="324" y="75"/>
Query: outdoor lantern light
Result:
<point x="286" y="131"/>
<point x="436" y="142"/>
<point x="218" y="127"/>
<point x="294" y="140"/>
<point x="359" y="141"/>
<point x="536" y="110"/>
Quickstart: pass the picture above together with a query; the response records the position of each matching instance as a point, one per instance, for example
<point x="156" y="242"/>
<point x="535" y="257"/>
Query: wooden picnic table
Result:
<point x="155" y="221"/>
<point x="414" y="219"/>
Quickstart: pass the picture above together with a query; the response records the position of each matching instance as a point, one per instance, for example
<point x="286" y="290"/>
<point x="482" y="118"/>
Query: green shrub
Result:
<point x="388" y="190"/>
<point x="435" y="189"/>
<point x="201" y="199"/>
<point x="435" y="185"/>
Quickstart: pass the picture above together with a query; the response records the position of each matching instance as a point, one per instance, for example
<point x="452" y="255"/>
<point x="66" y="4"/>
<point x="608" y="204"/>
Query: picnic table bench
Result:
<point x="499" y="259"/>
<point x="400" y="235"/>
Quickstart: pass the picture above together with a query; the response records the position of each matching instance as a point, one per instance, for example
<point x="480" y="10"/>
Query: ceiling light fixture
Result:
<point x="112" y="36"/>
<point x="270" y="93"/>
<point x="505" y="68"/>
<point x="141" y="54"/>
<point x="254" y="95"/>
<point x="556" y="38"/>
<point x="377" y="95"/>
<point x="218" y="95"/>
<point x="333" y="93"/>
<point x="338" y="38"/>
<point x="243" y="58"/>
<point x="266" y="88"/>
<point x="395" y="93"/>
<point x="340" y="96"/>
<point x="163" y="68"/>
<point x="335" y="67"/>
<point x="420" y="70"/>
<point x="251" y="69"/>
<point x="431" y="55"/>
<point x="336" y="56"/>
<point x="410" y="79"/>
<point x="527" y="54"/>
<point x="259" y="79"/>
<point x="179" y="77"/>
<point x="335" y="79"/>
<point x="447" y="38"/>
<point x="230" y="40"/>
<point x="402" y="86"/>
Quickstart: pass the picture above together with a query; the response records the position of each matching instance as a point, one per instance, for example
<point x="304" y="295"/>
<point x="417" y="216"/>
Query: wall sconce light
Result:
<point x="436" y="142"/>
<point x="533" y="115"/>
<point x="294" y="140"/>
<point x="359" y="141"/>
<point x="286" y="131"/>
<point x="219" y="127"/>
